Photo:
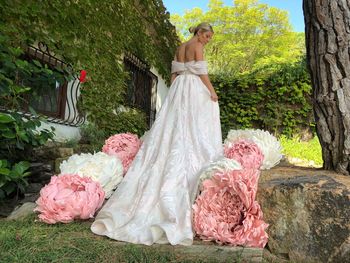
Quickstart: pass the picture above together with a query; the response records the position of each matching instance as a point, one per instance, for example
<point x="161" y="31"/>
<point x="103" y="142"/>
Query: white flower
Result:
<point x="101" y="167"/>
<point x="220" y="166"/>
<point x="268" y="144"/>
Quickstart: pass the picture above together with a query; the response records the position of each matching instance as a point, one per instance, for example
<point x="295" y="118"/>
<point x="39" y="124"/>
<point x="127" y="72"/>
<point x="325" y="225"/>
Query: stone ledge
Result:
<point x="308" y="211"/>
<point x="209" y="252"/>
<point x="22" y="211"/>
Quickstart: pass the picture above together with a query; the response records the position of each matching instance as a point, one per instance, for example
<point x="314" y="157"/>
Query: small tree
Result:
<point x="328" y="46"/>
<point x="248" y="35"/>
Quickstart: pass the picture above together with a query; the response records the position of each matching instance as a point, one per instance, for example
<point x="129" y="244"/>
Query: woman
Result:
<point x="153" y="203"/>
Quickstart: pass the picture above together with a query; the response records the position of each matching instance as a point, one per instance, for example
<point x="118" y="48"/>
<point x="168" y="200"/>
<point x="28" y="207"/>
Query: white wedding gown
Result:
<point x="153" y="203"/>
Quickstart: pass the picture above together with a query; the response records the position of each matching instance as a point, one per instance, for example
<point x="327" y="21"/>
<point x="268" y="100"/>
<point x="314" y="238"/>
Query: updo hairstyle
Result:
<point x="202" y="27"/>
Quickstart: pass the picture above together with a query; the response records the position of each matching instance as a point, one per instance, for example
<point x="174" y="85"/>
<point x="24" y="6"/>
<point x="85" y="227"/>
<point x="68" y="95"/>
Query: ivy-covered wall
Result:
<point x="92" y="35"/>
<point x="276" y="98"/>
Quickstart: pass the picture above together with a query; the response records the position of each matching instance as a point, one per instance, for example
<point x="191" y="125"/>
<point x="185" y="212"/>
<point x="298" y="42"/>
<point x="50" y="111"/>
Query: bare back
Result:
<point x="189" y="51"/>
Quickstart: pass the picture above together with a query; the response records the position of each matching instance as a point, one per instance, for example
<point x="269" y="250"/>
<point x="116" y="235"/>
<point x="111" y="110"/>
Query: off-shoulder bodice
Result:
<point x="190" y="67"/>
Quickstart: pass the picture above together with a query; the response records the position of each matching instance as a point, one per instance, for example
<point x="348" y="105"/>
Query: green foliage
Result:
<point x="71" y="143"/>
<point x="274" y="98"/>
<point x="18" y="74"/>
<point x="248" y="35"/>
<point x="19" y="134"/>
<point x="93" y="136"/>
<point x="93" y="35"/>
<point x="308" y="151"/>
<point x="12" y="178"/>
<point x="131" y="120"/>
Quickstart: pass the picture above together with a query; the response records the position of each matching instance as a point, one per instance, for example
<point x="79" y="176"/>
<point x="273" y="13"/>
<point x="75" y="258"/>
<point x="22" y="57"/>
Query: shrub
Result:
<point x="275" y="98"/>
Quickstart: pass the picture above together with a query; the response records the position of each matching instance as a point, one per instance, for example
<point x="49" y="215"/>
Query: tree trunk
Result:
<point x="327" y="30"/>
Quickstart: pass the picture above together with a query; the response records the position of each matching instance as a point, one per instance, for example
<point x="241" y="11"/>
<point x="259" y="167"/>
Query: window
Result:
<point x="141" y="87"/>
<point x="49" y="91"/>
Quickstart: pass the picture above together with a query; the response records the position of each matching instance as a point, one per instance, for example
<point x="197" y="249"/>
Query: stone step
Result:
<point x="210" y="252"/>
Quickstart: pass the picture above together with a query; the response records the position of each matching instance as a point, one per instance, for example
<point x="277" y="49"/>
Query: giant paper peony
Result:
<point x="68" y="197"/>
<point x="226" y="210"/>
<point x="125" y="146"/>
<point x="268" y="144"/>
<point x="220" y="166"/>
<point x="247" y="153"/>
<point x="101" y="167"/>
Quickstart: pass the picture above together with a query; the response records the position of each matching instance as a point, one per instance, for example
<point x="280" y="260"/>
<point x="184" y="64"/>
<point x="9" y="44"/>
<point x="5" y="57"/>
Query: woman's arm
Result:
<point x="173" y="77"/>
<point x="205" y="78"/>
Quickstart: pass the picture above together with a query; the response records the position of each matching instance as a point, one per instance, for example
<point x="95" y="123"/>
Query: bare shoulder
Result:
<point x="193" y="45"/>
<point x="198" y="46"/>
<point x="199" y="50"/>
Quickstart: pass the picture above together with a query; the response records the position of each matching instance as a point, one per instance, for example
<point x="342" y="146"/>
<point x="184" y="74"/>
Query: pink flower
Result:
<point x="226" y="210"/>
<point x="125" y="146"/>
<point x="68" y="197"/>
<point x="247" y="153"/>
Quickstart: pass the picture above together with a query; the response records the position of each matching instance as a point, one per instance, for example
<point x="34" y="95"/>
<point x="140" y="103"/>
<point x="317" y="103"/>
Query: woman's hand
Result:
<point x="214" y="96"/>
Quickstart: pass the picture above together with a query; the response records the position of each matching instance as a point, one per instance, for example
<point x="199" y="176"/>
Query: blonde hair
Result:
<point x="203" y="27"/>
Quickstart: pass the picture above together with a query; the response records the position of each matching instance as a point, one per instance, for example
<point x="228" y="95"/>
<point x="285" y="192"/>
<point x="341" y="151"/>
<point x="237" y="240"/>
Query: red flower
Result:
<point x="82" y="77"/>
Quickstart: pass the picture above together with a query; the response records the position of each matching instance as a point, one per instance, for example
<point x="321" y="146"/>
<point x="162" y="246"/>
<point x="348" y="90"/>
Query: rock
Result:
<point x="85" y="148"/>
<point x="65" y="152"/>
<point x="202" y="251"/>
<point x="52" y="151"/>
<point x="209" y="252"/>
<point x="22" y="211"/>
<point x="303" y="163"/>
<point x="306" y="134"/>
<point x="58" y="162"/>
<point x="308" y="211"/>
<point x="40" y="167"/>
<point x="40" y="172"/>
<point x="48" y="167"/>
<point x="42" y="178"/>
<point x="32" y="197"/>
<point x="34" y="188"/>
<point x="271" y="258"/>
<point x="44" y="153"/>
<point x="7" y="206"/>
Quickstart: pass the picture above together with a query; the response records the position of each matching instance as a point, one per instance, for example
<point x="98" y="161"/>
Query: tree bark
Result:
<point x="327" y="31"/>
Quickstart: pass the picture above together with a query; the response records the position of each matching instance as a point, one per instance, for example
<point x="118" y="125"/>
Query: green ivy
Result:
<point x="275" y="98"/>
<point x="93" y="35"/>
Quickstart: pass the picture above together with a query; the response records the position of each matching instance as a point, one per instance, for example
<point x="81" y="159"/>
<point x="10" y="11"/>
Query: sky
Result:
<point x="294" y="7"/>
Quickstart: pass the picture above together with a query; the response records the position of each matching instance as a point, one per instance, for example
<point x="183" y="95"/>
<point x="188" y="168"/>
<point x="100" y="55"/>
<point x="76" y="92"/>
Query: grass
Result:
<point x="307" y="151"/>
<point x="30" y="241"/>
